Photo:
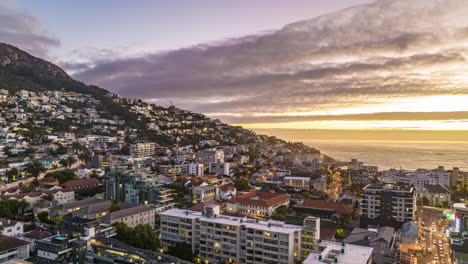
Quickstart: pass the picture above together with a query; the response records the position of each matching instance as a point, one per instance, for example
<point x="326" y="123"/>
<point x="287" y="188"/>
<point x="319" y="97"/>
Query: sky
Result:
<point x="305" y="64"/>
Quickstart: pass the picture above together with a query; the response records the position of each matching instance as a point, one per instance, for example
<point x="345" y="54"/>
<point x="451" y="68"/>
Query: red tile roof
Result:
<point x="80" y="182"/>
<point x="264" y="199"/>
<point x="339" y="207"/>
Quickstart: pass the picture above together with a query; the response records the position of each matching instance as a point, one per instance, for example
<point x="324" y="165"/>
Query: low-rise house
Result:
<point x="227" y="191"/>
<point x="436" y="194"/>
<point x="12" y="248"/>
<point x="257" y="203"/>
<point x="381" y="238"/>
<point x="34" y="236"/>
<point x="81" y="184"/>
<point x="204" y="193"/>
<point x="11" y="227"/>
<point x="61" y="195"/>
<point x="335" y="211"/>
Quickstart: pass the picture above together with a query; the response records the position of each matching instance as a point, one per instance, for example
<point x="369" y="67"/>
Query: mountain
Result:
<point x="165" y="126"/>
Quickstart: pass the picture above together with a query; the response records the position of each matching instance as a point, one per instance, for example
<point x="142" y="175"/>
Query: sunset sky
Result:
<point x="335" y="64"/>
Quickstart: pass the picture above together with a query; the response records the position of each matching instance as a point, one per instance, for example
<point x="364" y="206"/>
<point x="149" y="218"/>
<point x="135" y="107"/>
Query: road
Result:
<point x="334" y="190"/>
<point x="432" y="229"/>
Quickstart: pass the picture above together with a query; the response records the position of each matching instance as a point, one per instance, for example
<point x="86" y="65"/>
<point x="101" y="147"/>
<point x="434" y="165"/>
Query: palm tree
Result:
<point x="35" y="169"/>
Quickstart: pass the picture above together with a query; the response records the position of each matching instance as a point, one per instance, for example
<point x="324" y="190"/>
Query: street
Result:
<point x="434" y="243"/>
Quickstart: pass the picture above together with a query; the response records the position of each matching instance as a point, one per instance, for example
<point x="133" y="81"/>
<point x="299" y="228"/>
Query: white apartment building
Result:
<point x="297" y="182"/>
<point x="202" y="194"/>
<point x="419" y="178"/>
<point x="195" y="169"/>
<point x="143" y="149"/>
<point x="219" y="168"/>
<point x="210" y="156"/>
<point x="238" y="240"/>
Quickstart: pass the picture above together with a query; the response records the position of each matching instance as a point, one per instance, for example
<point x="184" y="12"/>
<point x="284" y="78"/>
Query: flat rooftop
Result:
<point x="270" y="225"/>
<point x="353" y="254"/>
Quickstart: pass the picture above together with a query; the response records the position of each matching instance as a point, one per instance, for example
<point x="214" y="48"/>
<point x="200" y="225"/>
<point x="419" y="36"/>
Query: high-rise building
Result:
<point x="388" y="204"/>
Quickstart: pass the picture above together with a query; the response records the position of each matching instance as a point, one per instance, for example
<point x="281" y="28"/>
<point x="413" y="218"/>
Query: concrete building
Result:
<point x="235" y="240"/>
<point x="210" y="156"/>
<point x="419" y="178"/>
<point x="387" y="204"/>
<point x="195" y="169"/>
<point x="382" y="238"/>
<point x="132" y="216"/>
<point x="143" y="149"/>
<point x="205" y="193"/>
<point x="221" y="168"/>
<point x="138" y="188"/>
<point x="436" y="194"/>
<point x="11" y="227"/>
<point x="458" y="179"/>
<point x="302" y="183"/>
<point x="331" y="252"/>
<point x="12" y="249"/>
<point x="261" y="204"/>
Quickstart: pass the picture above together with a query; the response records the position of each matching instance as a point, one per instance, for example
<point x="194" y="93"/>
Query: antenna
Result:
<point x="170" y="101"/>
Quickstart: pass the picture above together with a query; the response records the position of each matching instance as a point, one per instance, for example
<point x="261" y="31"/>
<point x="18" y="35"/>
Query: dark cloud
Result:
<point x="25" y="31"/>
<point x="387" y="49"/>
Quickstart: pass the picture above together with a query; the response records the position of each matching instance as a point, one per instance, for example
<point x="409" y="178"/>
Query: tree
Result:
<point x="43" y="217"/>
<point x="48" y="197"/>
<point x="12" y="174"/>
<point x="182" y="251"/>
<point x="115" y="206"/>
<point x="241" y="185"/>
<point x="64" y="163"/>
<point x="71" y="160"/>
<point x="142" y="236"/>
<point x="35" y="169"/>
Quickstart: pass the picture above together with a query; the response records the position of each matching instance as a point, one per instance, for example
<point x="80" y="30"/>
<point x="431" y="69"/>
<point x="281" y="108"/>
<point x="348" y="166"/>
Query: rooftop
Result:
<point x="389" y="187"/>
<point x="270" y="225"/>
<point x="265" y="199"/>
<point x="352" y="254"/>
<point x="8" y="243"/>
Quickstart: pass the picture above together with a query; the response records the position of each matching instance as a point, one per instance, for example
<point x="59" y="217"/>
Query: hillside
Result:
<point x="165" y="126"/>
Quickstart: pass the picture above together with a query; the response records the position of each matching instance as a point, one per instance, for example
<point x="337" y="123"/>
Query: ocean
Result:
<point x="383" y="149"/>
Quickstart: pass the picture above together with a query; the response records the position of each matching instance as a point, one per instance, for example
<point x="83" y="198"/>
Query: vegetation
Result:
<point x="182" y="251"/>
<point x="241" y="185"/>
<point x="115" y="206"/>
<point x="35" y="169"/>
<point x="63" y="175"/>
<point x="142" y="236"/>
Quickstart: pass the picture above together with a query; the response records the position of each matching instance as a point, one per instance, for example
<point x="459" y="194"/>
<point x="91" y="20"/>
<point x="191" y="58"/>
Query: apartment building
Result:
<point x="331" y="252"/>
<point x="138" y="188"/>
<point x="13" y="249"/>
<point x="195" y="169"/>
<point x="388" y="204"/>
<point x="205" y="193"/>
<point x="221" y="168"/>
<point x="210" y="156"/>
<point x="132" y="216"/>
<point x="143" y="149"/>
<point x="420" y="177"/>
<point x="259" y="204"/>
<point x="220" y="238"/>
<point x="302" y="183"/>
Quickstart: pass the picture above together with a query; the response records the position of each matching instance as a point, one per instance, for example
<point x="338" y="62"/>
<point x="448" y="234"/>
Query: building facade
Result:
<point x="388" y="204"/>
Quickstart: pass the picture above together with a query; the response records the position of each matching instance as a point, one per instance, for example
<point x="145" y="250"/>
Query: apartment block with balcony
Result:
<point x="388" y="204"/>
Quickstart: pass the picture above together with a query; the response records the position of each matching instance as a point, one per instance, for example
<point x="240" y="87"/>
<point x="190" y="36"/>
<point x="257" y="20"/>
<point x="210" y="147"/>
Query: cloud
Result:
<point x="25" y="31"/>
<point x="358" y="56"/>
